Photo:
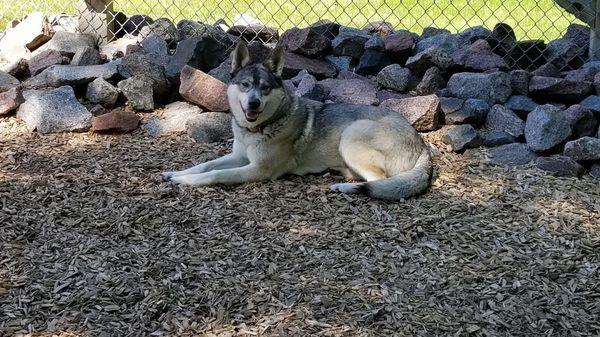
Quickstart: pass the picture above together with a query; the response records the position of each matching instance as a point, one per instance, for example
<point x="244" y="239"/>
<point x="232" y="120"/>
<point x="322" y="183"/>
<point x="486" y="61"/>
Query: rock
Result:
<point x="347" y="75"/>
<point x="497" y="138"/>
<point x="7" y="82"/>
<point x="478" y="57"/>
<point x="547" y="70"/>
<point x="254" y="32"/>
<point x="138" y="91"/>
<point x="118" y="48"/>
<point x="501" y="118"/>
<point x="305" y="41"/>
<point x="521" y="104"/>
<point x="204" y="53"/>
<point x="514" y="154"/>
<point x="581" y="120"/>
<point x="394" y="77"/>
<point x="375" y="43"/>
<point x="98" y="110"/>
<point x="584" y="148"/>
<point x="45" y="59"/>
<point x="560" y="166"/>
<point x="380" y="28"/>
<point x="562" y="52"/>
<point x="10" y="100"/>
<point x="504" y="34"/>
<point x="354" y="91"/>
<point x="372" y="62"/>
<point x="70" y="43"/>
<point x="341" y="63"/>
<point x="204" y="90"/>
<point x="473" y="34"/>
<point x="134" y="24"/>
<point x="309" y="88"/>
<point x="546" y="127"/>
<point x="86" y="57"/>
<point x="192" y="29"/>
<point x="147" y="66"/>
<point x="471" y="111"/>
<point x="210" y="127"/>
<point x="102" y="92"/>
<point x="399" y="45"/>
<point x="586" y="73"/>
<point x="490" y="87"/>
<point x="52" y="111"/>
<point x="519" y="82"/>
<point x="29" y="34"/>
<point x="294" y="63"/>
<point x="59" y="75"/>
<point x="350" y="42"/>
<point x="432" y="57"/>
<point x="173" y="119"/>
<point x="595" y="171"/>
<point x="383" y="95"/>
<point x="423" y="112"/>
<point x="461" y="137"/>
<point x="432" y="82"/>
<point x="115" y="121"/>
<point x="156" y="45"/>
<point x="445" y="41"/>
<point x="592" y="103"/>
<point x="162" y="27"/>
<point x="222" y="72"/>
<point x="579" y="35"/>
<point x="326" y="28"/>
<point x="432" y="31"/>
<point x="550" y="88"/>
<point x="18" y="68"/>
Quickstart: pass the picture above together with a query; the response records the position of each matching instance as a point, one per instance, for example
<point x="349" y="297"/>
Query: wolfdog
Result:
<point x="277" y="133"/>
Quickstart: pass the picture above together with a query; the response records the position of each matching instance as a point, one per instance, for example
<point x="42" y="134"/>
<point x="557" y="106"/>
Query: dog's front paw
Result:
<point x="167" y="176"/>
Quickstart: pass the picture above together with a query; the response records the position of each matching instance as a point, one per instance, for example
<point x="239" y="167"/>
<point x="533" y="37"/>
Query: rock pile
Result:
<point x="544" y="112"/>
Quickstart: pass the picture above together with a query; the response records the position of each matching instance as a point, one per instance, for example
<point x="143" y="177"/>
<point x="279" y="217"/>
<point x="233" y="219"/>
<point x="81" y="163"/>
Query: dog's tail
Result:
<point x="405" y="184"/>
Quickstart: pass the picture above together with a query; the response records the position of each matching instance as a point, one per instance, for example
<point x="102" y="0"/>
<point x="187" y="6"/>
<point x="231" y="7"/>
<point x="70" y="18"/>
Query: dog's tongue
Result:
<point x="251" y="115"/>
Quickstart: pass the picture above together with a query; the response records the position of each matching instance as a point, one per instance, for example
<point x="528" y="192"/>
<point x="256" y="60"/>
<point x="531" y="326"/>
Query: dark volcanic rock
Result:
<point x="305" y="41"/>
<point x="294" y="63"/>
<point x="546" y="127"/>
<point x="501" y="118"/>
<point x="490" y="87"/>
<point x="585" y="148"/>
<point x="560" y="166"/>
<point x="461" y="137"/>
<point x="550" y="88"/>
<point x="514" y="154"/>
<point x="423" y="112"/>
<point x="582" y="121"/>
<point x="497" y="138"/>
<point x="478" y="57"/>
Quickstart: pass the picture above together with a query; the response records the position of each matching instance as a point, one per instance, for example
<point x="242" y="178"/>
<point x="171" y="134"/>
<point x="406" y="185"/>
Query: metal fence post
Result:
<point x="96" y="17"/>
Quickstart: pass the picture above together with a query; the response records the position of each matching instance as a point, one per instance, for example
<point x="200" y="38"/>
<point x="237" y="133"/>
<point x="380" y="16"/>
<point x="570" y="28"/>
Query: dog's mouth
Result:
<point x="251" y="115"/>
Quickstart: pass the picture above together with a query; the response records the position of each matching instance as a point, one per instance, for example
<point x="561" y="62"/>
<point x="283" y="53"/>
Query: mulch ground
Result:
<point x="92" y="243"/>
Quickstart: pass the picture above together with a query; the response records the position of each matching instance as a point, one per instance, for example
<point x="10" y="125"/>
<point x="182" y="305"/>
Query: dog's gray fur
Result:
<point x="281" y="133"/>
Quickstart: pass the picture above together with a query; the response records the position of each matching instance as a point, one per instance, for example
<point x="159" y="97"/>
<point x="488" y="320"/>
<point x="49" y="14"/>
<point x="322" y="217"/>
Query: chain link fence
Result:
<point x="533" y="28"/>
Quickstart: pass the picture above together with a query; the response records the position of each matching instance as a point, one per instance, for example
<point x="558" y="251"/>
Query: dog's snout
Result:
<point x="253" y="104"/>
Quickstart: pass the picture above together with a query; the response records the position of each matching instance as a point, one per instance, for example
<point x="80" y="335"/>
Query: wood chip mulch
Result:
<point x="92" y="243"/>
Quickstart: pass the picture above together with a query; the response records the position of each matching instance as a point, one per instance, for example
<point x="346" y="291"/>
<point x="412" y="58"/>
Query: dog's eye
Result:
<point x="245" y="85"/>
<point x="265" y="90"/>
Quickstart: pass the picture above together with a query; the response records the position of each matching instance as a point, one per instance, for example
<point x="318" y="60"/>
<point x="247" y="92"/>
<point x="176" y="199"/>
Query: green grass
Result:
<point x="531" y="19"/>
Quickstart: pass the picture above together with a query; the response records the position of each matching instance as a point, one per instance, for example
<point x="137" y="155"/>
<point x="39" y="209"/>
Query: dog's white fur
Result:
<point x="369" y="143"/>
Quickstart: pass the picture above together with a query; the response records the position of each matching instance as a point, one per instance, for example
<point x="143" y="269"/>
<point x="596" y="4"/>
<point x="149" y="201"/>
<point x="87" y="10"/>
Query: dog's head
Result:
<point x="256" y="90"/>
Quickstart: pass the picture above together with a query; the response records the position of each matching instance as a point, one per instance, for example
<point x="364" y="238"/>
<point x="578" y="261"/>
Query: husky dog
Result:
<point x="277" y="133"/>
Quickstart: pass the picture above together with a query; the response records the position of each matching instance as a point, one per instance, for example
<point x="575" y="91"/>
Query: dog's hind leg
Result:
<point x="358" y="151"/>
<point x="228" y="161"/>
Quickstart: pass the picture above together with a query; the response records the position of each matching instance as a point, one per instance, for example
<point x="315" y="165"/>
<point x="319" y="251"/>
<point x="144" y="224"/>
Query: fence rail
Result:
<point x="537" y="22"/>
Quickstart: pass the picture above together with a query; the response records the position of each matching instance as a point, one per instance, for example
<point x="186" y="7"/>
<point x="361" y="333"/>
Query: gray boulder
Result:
<point x="7" y="82"/>
<point x="204" y="53"/>
<point x="138" y="91"/>
<point x="546" y="127"/>
<point x="585" y="148"/>
<point x="550" y="88"/>
<point x="431" y="82"/>
<point x="59" y="75"/>
<point x="447" y="42"/>
<point x="173" y="119"/>
<point x="161" y="27"/>
<point x="521" y="104"/>
<point x="147" y="66"/>
<point x="372" y="62"/>
<point x="430" y="57"/>
<point x="354" y="91"/>
<point x="305" y="41"/>
<point x="210" y="127"/>
<point x="70" y="43"/>
<point x="472" y="111"/>
<point x="86" y="57"/>
<point x="423" y="112"/>
<point x="514" y="154"/>
<point x="592" y="103"/>
<point x="595" y="171"/>
<point x="54" y="110"/>
<point x="497" y="138"/>
<point x="102" y="92"/>
<point x="10" y="100"/>
<point x="394" y="77"/>
<point x="478" y="57"/>
<point x="294" y="63"/>
<point x="582" y="121"/>
<point x="461" y="137"/>
<point x="308" y="87"/>
<point x="500" y="118"/>
<point x="519" y="81"/>
<point x="490" y="87"/>
<point x="399" y="45"/>
<point x="350" y="42"/>
<point x="473" y="34"/>
<point x="560" y="166"/>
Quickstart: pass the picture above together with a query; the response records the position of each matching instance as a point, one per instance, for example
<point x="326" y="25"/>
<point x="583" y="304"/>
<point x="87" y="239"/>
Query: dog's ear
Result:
<point x="240" y="57"/>
<point x="275" y="61"/>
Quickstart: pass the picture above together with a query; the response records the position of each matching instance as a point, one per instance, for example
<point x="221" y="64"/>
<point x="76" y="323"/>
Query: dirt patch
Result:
<point x="93" y="244"/>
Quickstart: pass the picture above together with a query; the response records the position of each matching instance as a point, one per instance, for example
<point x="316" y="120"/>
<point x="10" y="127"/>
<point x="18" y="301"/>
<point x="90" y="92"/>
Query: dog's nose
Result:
<point x="253" y="104"/>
